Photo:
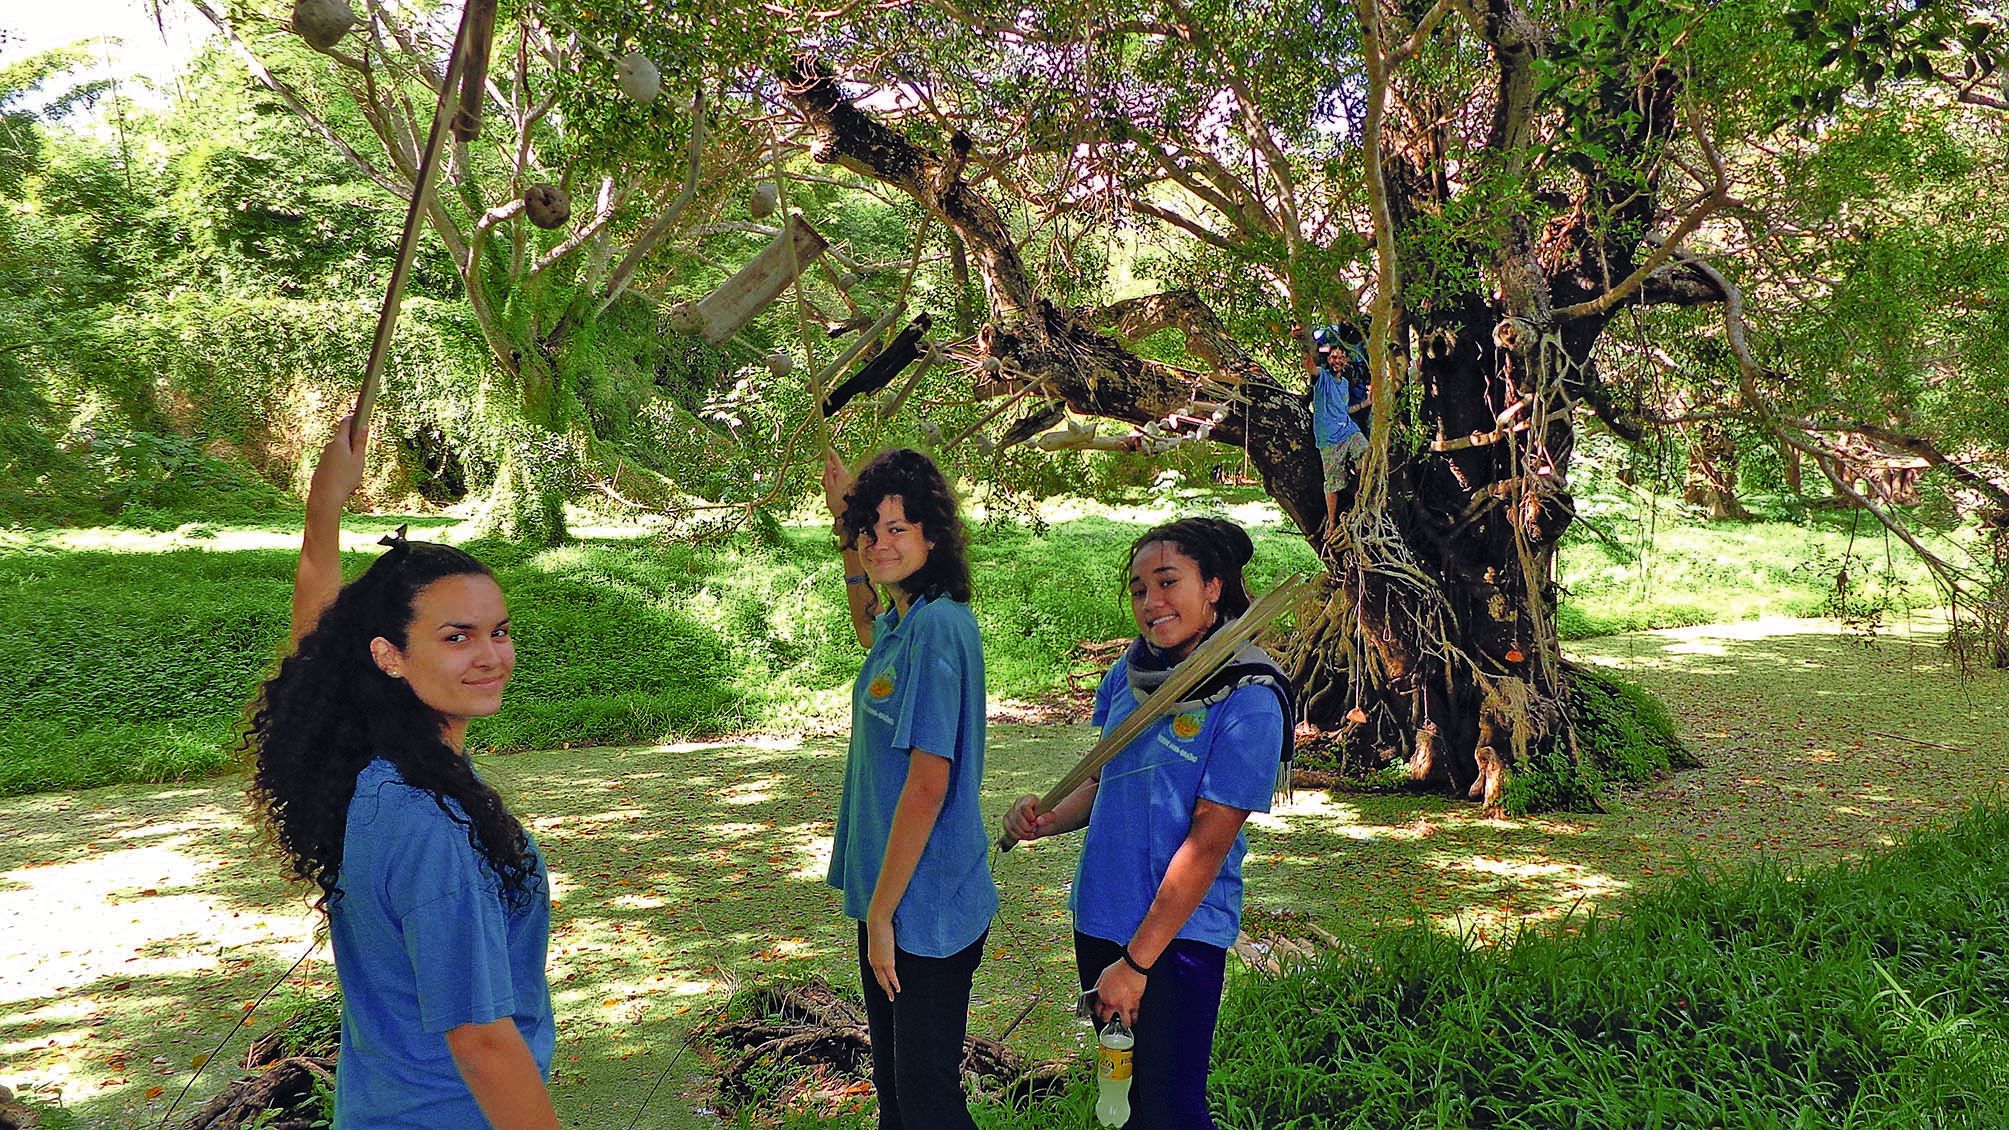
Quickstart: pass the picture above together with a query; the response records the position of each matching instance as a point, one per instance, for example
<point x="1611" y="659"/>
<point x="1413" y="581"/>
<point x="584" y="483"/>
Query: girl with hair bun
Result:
<point x="437" y="901"/>
<point x="1157" y="896"/>
<point x="910" y="852"/>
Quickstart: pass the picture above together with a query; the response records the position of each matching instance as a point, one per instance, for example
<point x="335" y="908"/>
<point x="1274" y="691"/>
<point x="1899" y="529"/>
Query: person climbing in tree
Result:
<point x="437" y="900"/>
<point x="1338" y="368"/>
<point x="1157" y="894"/>
<point x="910" y="851"/>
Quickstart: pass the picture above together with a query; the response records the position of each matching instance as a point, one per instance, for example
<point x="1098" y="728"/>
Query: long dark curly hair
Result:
<point x="1219" y="547"/>
<point x="329" y="711"/>
<point x="929" y="503"/>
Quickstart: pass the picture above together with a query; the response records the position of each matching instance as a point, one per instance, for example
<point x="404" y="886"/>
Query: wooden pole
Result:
<point x="1190" y="673"/>
<point x="477" y="22"/>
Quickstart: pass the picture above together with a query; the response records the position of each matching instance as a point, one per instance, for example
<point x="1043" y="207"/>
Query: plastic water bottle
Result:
<point x="1112" y="1074"/>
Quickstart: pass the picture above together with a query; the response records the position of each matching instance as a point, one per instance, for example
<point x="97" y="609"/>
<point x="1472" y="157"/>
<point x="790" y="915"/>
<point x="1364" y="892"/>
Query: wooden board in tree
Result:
<point x="725" y="311"/>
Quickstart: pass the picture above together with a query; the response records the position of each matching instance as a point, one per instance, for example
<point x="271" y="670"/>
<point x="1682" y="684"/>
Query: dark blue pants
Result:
<point x="1175" y="1030"/>
<point x="917" y="1037"/>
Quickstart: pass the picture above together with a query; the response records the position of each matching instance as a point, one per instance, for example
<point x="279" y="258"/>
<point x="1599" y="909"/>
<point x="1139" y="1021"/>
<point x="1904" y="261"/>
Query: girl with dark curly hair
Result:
<point x="437" y="902"/>
<point x="1157" y="896"/>
<point x="910" y="852"/>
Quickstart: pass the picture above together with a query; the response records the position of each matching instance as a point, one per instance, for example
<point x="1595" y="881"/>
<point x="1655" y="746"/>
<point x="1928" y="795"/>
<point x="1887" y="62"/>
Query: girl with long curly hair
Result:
<point x="1157" y="896"/>
<point x="910" y="849"/>
<point x="437" y="901"/>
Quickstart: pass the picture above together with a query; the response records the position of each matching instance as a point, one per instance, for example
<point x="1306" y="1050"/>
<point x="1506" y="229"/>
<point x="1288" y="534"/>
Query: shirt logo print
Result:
<point x="881" y="687"/>
<point x="1187" y="726"/>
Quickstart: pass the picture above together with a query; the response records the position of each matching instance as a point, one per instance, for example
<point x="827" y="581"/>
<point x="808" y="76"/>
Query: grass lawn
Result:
<point x="138" y="922"/>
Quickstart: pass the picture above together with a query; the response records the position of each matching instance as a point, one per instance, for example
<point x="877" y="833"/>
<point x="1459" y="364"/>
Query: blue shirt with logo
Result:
<point x="425" y="943"/>
<point x="1226" y="753"/>
<point x="922" y="687"/>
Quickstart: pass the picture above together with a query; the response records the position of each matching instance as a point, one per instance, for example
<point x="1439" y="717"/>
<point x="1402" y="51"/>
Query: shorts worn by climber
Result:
<point x="910" y="851"/>
<point x="437" y="900"/>
<point x="1157" y="896"/>
<point x="1338" y="368"/>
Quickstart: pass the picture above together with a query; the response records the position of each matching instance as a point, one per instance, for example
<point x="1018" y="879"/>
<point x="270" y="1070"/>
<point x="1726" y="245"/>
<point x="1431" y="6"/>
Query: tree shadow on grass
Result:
<point x="140" y="920"/>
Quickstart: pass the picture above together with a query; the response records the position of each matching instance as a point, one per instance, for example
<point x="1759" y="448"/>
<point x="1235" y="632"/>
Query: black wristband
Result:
<point x="1132" y="963"/>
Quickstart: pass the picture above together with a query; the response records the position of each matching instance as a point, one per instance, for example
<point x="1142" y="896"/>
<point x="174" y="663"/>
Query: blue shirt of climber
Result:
<point x="1332" y="394"/>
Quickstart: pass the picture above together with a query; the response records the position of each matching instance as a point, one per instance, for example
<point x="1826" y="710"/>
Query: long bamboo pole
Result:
<point x="477" y="26"/>
<point x="1195" y="669"/>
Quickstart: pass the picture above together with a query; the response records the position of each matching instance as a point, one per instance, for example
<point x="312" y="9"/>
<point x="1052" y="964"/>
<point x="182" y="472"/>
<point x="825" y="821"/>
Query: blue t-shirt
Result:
<point x="1332" y="394"/>
<point x="423" y="944"/>
<point x="1226" y="753"/>
<point x="922" y="687"/>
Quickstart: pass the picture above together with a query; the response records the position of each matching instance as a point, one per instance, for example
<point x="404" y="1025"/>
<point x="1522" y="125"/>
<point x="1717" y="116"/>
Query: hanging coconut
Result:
<point x="992" y="365"/>
<point x="546" y="205"/>
<point x="780" y="364"/>
<point x="766" y="197"/>
<point x="322" y="23"/>
<point x="638" y="77"/>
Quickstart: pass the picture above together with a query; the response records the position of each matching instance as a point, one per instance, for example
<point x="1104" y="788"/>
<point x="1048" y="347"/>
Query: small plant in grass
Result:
<point x="309" y="1024"/>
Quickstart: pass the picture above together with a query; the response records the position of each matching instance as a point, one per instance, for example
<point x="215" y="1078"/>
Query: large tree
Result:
<point x="1488" y="184"/>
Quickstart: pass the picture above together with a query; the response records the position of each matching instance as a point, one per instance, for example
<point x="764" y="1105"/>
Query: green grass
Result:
<point x="1861" y="994"/>
<point x="1632" y="564"/>
<point x="153" y="915"/>
<point x="128" y="655"/>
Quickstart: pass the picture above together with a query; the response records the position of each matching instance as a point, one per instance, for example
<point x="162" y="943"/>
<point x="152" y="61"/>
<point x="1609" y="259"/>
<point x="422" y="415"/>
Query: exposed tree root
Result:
<point x="286" y="1090"/>
<point x="807" y="1046"/>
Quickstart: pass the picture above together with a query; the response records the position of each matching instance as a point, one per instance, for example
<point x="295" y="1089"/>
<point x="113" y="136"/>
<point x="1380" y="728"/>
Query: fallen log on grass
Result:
<point x="283" y="1098"/>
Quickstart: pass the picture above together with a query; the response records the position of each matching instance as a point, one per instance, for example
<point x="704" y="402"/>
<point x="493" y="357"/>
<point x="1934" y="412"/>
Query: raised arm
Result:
<point x="336" y="475"/>
<point x="859" y="592"/>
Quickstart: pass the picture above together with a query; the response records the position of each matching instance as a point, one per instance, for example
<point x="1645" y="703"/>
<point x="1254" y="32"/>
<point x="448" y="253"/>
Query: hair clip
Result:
<point x="396" y="540"/>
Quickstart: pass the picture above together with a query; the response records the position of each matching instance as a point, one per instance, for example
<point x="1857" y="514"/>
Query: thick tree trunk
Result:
<point x="1437" y="637"/>
<point x="1711" y="482"/>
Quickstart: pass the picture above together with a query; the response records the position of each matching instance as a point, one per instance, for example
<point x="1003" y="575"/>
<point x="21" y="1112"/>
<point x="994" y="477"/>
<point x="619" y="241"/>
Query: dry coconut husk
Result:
<point x="547" y="206"/>
<point x="638" y="77"/>
<point x="766" y="197"/>
<point x="322" y="23"/>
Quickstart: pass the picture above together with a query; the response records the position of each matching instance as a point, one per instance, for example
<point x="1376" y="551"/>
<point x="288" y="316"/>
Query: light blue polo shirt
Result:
<point x="922" y="687"/>
<point x="423" y="944"/>
<point x="1226" y="753"/>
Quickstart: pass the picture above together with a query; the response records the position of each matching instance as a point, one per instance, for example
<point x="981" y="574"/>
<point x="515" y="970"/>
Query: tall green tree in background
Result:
<point x="557" y="312"/>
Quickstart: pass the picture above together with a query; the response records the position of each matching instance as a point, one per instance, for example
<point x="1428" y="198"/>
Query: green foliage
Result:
<point x="1864" y="43"/>
<point x="309" y="1023"/>
<point x="1862" y="994"/>
<point x="1623" y="736"/>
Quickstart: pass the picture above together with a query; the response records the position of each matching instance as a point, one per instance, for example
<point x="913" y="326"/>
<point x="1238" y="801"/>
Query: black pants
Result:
<point x="917" y="1037"/>
<point x="1175" y="1029"/>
